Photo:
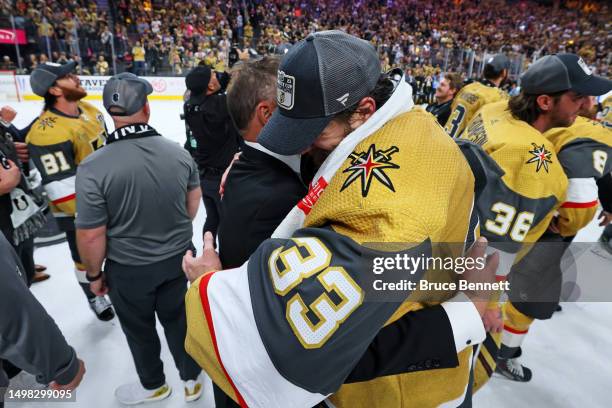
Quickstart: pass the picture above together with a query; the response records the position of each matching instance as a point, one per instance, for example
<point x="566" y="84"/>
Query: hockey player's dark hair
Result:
<point x="49" y="101"/>
<point x="381" y="93"/>
<point x="525" y="106"/>
<point x="252" y="82"/>
<point x="490" y="72"/>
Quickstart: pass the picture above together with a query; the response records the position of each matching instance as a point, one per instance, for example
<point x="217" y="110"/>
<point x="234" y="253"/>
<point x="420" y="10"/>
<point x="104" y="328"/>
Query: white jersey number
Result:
<point x="54" y="163"/>
<point x="288" y="268"/>
<point x="505" y="220"/>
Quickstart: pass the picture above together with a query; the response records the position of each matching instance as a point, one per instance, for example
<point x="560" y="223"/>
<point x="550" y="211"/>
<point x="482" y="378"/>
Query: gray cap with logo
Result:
<point x="320" y="76"/>
<point x="125" y="94"/>
<point x="562" y="72"/>
<point x="45" y="75"/>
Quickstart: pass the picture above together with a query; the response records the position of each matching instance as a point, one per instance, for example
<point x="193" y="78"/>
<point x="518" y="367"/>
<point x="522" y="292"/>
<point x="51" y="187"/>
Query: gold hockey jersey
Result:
<point x="467" y="102"/>
<point x="585" y="152"/>
<point x="428" y="194"/>
<point x="405" y="184"/>
<point x="57" y="144"/>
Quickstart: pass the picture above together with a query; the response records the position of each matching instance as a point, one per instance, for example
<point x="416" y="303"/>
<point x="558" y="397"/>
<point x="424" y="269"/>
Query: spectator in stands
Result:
<point x="102" y="66"/>
<point x="139" y="59"/>
<point x="152" y="58"/>
<point x="7" y="64"/>
<point x="436" y="37"/>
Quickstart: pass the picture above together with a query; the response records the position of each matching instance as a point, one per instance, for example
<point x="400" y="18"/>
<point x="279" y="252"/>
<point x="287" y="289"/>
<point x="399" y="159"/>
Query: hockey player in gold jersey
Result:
<point x="474" y="96"/>
<point x="585" y="152"/>
<point x="554" y="90"/>
<point x="379" y="186"/>
<point x="66" y="132"/>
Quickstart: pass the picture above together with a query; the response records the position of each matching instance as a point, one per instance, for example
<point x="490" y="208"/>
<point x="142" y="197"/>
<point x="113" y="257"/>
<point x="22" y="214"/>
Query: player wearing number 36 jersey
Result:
<point x="534" y="186"/>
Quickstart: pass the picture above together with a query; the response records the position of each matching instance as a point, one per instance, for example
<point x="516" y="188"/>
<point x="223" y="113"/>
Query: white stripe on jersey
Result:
<point x="241" y="349"/>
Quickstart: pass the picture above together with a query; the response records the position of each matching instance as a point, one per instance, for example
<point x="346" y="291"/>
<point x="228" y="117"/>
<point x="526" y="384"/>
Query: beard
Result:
<point x="73" y="94"/>
<point x="558" y="120"/>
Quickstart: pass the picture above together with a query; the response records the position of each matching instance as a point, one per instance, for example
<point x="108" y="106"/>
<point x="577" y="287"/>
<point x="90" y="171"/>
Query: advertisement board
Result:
<point x="164" y="88"/>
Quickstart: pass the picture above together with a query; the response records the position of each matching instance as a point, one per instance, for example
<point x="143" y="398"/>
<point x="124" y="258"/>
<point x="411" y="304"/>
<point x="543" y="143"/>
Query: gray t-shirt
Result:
<point x="138" y="189"/>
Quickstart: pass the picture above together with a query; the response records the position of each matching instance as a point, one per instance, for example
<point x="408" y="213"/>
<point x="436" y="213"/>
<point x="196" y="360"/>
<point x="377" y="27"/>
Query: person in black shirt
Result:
<point x="217" y="139"/>
<point x="445" y="93"/>
<point x="262" y="187"/>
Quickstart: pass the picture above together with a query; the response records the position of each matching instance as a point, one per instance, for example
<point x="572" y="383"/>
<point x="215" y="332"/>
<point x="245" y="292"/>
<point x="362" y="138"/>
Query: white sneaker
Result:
<point x="135" y="393"/>
<point x="193" y="389"/>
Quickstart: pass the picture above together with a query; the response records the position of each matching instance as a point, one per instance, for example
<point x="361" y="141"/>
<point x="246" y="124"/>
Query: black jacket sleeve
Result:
<point x="29" y="338"/>
<point x="604" y="186"/>
<point x="419" y="340"/>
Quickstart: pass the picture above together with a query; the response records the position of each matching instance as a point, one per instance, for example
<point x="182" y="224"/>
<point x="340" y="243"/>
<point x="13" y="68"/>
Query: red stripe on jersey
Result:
<point x="515" y="331"/>
<point x="206" y="306"/>
<point x="64" y="199"/>
<point x="500" y="278"/>
<point x="569" y="204"/>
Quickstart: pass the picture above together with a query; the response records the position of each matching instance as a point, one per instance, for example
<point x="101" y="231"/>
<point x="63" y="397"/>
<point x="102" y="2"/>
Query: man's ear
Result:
<point x="366" y="108"/>
<point x="545" y="103"/>
<point x="263" y="111"/>
<point x="55" y="91"/>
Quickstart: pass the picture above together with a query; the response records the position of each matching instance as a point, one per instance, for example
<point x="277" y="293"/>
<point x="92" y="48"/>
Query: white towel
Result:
<point x="399" y="102"/>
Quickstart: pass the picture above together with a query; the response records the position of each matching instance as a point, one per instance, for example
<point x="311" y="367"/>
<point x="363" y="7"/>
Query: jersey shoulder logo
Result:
<point x="541" y="157"/>
<point x="45" y="123"/>
<point x="369" y="165"/>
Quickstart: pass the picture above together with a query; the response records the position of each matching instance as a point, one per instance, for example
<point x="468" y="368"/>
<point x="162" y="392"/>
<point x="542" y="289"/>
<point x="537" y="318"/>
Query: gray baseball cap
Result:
<point x="126" y="93"/>
<point x="563" y="72"/>
<point x="45" y="75"/>
<point x="320" y="76"/>
<point x="499" y="62"/>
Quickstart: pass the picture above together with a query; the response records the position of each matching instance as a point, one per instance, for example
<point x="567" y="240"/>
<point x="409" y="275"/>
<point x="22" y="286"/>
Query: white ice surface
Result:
<point x="570" y="354"/>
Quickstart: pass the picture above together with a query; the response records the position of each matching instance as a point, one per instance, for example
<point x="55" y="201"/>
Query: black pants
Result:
<point x="25" y="252"/>
<point x="212" y="202"/>
<point x="138" y="293"/>
<point x="608" y="231"/>
<point x="222" y="400"/>
<point x="537" y="279"/>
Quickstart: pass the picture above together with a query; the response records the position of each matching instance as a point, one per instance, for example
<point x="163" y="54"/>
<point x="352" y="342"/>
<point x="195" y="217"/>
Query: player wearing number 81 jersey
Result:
<point x="65" y="133"/>
<point x="58" y="143"/>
